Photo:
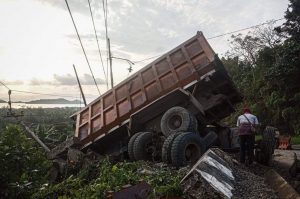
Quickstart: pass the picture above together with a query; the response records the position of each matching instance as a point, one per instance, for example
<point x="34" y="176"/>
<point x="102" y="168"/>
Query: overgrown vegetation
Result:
<point x="52" y="125"/>
<point x="23" y="165"/>
<point x="265" y="66"/>
<point x="27" y="168"/>
<point x="100" y="177"/>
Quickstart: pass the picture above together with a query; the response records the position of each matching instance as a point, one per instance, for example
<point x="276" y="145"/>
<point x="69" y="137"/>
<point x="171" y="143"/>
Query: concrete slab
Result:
<point x="218" y="175"/>
<point x="285" y="162"/>
<point x="280" y="185"/>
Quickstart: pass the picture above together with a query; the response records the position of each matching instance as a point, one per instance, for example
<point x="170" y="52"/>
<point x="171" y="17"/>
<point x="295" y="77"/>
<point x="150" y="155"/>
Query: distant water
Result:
<point x="23" y="105"/>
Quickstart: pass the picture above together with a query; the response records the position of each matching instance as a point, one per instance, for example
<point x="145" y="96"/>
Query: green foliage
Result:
<point x="295" y="140"/>
<point x="99" y="178"/>
<point x="23" y="165"/>
<point x="51" y="125"/>
<point x="270" y="80"/>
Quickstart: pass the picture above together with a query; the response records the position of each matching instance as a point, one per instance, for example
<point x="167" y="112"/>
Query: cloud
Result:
<point x="141" y="28"/>
<point x="66" y="80"/>
<point x="79" y="6"/>
<point x="35" y="82"/>
<point x="12" y="82"/>
<point x="70" y="80"/>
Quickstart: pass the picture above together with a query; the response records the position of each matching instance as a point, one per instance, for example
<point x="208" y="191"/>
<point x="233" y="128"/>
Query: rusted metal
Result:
<point x="185" y="65"/>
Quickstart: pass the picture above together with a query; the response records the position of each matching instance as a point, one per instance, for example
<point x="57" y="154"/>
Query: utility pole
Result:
<point x="34" y="136"/>
<point x="110" y="64"/>
<point x="81" y="91"/>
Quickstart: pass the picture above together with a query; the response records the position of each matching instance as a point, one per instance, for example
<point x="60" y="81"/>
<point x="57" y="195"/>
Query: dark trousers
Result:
<point x="247" y="148"/>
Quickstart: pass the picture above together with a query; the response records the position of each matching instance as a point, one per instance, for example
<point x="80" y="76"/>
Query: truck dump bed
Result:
<point x="188" y="63"/>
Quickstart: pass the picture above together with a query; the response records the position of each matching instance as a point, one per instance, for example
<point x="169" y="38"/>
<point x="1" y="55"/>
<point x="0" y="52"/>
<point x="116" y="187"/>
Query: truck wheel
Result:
<point x="166" y="148"/>
<point x="187" y="148"/>
<point x="177" y="119"/>
<point x="210" y="138"/>
<point x="143" y="146"/>
<point x="130" y="145"/>
<point x="269" y="137"/>
<point x="267" y="145"/>
<point x="194" y="124"/>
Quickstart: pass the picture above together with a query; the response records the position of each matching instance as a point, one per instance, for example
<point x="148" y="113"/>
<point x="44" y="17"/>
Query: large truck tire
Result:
<point x="187" y="148"/>
<point x="177" y="119"/>
<point x="210" y="138"/>
<point x="130" y="145"/>
<point x="269" y="137"/>
<point x="266" y="146"/>
<point x="166" y="148"/>
<point x="194" y="124"/>
<point x="142" y="146"/>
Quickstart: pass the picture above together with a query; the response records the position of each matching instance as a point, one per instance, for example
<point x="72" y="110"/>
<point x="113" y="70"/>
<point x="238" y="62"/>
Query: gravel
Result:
<point x="248" y="182"/>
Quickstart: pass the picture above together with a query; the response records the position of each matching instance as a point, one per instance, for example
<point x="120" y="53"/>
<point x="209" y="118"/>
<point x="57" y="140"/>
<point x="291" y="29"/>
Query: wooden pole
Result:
<point x="36" y="138"/>
<point x="81" y="91"/>
<point x="110" y="64"/>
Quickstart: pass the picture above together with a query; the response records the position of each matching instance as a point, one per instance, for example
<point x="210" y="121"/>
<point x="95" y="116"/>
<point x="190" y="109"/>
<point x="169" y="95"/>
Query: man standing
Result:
<point x="246" y="124"/>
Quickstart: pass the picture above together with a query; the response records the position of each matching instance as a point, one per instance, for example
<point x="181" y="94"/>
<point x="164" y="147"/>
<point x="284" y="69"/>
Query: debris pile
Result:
<point x="217" y="175"/>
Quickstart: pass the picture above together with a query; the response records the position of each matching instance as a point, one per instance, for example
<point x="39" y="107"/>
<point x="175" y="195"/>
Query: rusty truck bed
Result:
<point x="184" y="65"/>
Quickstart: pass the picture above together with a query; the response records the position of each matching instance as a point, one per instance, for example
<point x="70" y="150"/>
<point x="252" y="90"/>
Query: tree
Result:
<point x="291" y="28"/>
<point x="268" y="69"/>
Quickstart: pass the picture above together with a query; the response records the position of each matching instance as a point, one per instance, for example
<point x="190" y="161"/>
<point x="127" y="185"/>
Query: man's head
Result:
<point x="246" y="109"/>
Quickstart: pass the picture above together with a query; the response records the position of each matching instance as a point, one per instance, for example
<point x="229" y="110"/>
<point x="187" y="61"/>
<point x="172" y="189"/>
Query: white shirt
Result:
<point x="251" y="118"/>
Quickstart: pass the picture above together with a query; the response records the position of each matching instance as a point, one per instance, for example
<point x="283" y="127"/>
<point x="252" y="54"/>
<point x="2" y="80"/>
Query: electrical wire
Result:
<point x="47" y="94"/>
<point x="145" y="59"/>
<point x="82" y="46"/>
<point x="5" y="85"/>
<point x="96" y="36"/>
<point x="251" y="27"/>
<point x="221" y="35"/>
<point x="104" y="6"/>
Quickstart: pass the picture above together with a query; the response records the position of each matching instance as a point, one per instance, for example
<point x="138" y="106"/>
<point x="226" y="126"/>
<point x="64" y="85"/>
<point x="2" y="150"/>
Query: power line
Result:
<point x="4" y="85"/>
<point x="37" y="93"/>
<point x="221" y="35"/>
<point x="255" y="26"/>
<point x="97" y="42"/>
<point x="146" y="59"/>
<point x="82" y="46"/>
<point x="47" y="94"/>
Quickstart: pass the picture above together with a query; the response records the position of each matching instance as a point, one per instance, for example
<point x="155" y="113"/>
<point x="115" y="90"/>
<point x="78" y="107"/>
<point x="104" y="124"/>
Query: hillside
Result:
<point x="53" y="101"/>
<point x="2" y="101"/>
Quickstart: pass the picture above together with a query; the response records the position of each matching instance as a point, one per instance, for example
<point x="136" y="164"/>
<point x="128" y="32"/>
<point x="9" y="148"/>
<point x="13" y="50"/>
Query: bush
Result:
<point x="23" y="164"/>
<point x="99" y="178"/>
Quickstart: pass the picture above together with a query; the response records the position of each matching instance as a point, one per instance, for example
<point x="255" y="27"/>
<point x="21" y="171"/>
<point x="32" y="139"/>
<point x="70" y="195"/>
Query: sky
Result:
<point x="39" y="45"/>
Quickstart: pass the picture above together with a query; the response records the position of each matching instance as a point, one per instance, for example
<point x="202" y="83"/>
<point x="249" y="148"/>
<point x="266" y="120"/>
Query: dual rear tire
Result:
<point x="183" y="148"/>
<point x="140" y="146"/>
<point x="182" y="145"/>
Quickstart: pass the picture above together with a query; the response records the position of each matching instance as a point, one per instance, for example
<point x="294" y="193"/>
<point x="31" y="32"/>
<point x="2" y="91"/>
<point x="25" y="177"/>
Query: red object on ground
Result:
<point x="284" y="142"/>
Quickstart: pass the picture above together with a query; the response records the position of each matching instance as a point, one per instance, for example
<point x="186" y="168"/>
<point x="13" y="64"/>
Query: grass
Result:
<point x="258" y="137"/>
<point x="295" y="139"/>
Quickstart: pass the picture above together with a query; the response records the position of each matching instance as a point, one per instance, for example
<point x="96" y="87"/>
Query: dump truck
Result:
<point x="169" y="110"/>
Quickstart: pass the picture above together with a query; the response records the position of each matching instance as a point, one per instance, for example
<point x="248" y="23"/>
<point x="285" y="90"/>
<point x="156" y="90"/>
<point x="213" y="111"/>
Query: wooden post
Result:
<point x="36" y="138"/>
<point x="81" y="91"/>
